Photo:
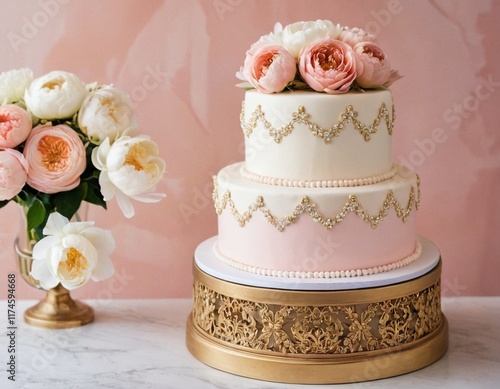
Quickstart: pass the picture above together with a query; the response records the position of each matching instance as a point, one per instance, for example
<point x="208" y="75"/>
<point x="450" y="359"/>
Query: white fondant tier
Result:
<point x="315" y="229"/>
<point x="207" y="261"/>
<point x="301" y="135"/>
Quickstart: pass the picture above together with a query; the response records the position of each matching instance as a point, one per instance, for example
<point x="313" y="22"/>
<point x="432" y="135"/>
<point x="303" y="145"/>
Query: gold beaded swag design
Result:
<point x="308" y="207"/>
<point x="302" y="117"/>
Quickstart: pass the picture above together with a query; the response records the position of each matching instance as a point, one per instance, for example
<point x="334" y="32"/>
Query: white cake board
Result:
<point x="207" y="261"/>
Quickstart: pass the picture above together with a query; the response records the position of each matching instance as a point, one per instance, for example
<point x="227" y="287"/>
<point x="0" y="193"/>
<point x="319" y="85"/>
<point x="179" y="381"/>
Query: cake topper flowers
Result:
<point x="317" y="55"/>
<point x="64" y="142"/>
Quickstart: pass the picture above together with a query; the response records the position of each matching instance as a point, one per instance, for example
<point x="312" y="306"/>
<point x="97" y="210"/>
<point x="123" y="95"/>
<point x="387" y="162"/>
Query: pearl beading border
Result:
<point x="318" y="183"/>
<point x="320" y="274"/>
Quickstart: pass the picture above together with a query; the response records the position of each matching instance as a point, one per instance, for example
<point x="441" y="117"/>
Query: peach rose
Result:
<point x="328" y="65"/>
<point x="376" y="69"/>
<point x="13" y="173"/>
<point x="269" y="68"/>
<point x="15" y="126"/>
<point x="56" y="158"/>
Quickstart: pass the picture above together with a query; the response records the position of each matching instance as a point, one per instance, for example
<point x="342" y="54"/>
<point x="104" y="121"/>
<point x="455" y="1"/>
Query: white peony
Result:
<point x="106" y="112"/>
<point x="56" y="95"/>
<point x="72" y="253"/>
<point x="13" y="85"/>
<point x="273" y="38"/>
<point x="297" y="35"/>
<point x="130" y="168"/>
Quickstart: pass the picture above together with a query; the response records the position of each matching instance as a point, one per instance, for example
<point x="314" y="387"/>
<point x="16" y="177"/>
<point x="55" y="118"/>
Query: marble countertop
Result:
<point x="141" y="344"/>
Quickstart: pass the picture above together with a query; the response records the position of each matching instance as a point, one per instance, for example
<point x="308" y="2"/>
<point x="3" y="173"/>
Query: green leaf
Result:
<point x="94" y="195"/>
<point x="67" y="203"/>
<point x="25" y="198"/>
<point x="4" y="203"/>
<point x="36" y="214"/>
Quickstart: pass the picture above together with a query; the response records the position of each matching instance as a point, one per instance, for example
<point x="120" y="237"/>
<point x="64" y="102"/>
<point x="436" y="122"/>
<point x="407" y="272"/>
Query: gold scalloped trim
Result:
<point x="308" y="207"/>
<point x="301" y="117"/>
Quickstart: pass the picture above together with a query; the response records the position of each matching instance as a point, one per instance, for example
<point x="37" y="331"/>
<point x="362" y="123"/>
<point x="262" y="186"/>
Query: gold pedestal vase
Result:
<point x="57" y="309"/>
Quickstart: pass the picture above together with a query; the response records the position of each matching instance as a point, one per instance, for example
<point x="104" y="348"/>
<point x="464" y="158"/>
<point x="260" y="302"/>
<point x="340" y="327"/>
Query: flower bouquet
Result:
<point x="317" y="55"/>
<point x="64" y="143"/>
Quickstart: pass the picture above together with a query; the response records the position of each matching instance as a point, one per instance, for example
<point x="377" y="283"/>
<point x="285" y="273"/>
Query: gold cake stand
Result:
<point x="317" y="337"/>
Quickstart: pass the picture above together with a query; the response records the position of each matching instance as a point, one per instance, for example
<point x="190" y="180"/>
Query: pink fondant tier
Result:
<point x="307" y="230"/>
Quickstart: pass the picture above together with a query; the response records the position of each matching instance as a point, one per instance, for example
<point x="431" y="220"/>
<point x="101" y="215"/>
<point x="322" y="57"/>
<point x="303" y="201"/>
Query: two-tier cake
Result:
<point x="317" y="274"/>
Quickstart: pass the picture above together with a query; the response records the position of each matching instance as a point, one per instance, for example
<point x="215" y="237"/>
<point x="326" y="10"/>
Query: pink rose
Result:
<point x="13" y="173"/>
<point x="15" y="126"/>
<point x="376" y="69"/>
<point x="269" y="68"/>
<point x="328" y="65"/>
<point x="56" y="158"/>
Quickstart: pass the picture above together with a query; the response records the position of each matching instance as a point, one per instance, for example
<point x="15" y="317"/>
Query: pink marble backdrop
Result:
<point x="177" y="59"/>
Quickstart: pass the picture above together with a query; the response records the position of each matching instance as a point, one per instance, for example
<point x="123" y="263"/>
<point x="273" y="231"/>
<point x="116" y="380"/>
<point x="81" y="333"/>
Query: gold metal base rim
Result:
<point x="81" y="315"/>
<point x="58" y="310"/>
<point x="333" y="369"/>
<point x="321" y="297"/>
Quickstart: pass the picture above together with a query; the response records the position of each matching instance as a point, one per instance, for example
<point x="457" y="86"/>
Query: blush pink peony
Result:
<point x="328" y="65"/>
<point x="56" y="158"/>
<point x="13" y="173"/>
<point x="269" y="68"/>
<point x="353" y="36"/>
<point x="376" y="70"/>
<point x="15" y="125"/>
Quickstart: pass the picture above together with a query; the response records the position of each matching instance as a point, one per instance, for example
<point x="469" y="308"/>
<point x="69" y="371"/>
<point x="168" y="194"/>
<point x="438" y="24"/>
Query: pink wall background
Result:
<point x="177" y="59"/>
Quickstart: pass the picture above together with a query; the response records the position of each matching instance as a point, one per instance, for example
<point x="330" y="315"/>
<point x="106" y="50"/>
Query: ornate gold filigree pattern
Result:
<point x="302" y="117"/>
<point x="327" y="329"/>
<point x="309" y="208"/>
